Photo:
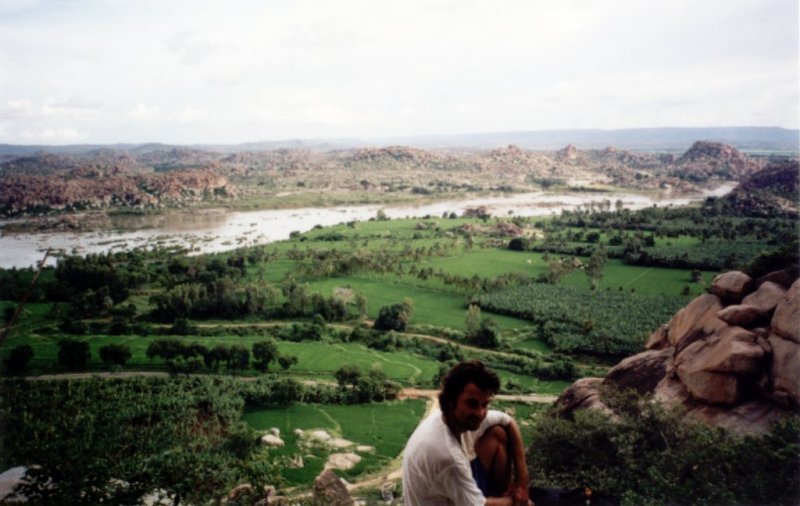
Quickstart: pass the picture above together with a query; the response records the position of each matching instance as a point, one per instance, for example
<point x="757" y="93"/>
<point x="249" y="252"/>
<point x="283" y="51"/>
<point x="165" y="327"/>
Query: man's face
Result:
<point x="470" y="408"/>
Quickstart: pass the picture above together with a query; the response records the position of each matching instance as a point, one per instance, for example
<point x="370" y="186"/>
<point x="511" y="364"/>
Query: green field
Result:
<point x="431" y="306"/>
<point x="384" y="426"/>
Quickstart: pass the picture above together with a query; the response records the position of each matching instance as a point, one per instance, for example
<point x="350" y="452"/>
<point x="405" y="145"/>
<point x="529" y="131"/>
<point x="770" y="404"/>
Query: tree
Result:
<point x="166" y="348"/>
<point x="264" y="352"/>
<point x="74" y="355"/>
<point x="182" y="327"/>
<point x="217" y="355"/>
<point x="238" y="357"/>
<point x="18" y="359"/>
<point x="487" y="335"/>
<point x="395" y="317"/>
<point x="115" y="354"/>
<point x="472" y="320"/>
<point x="594" y="270"/>
<point x="361" y="304"/>
<point x="519" y="244"/>
<point x="348" y="374"/>
<point x="287" y="361"/>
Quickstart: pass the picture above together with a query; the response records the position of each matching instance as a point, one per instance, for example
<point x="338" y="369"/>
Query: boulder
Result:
<point x="584" y="393"/>
<point x="752" y="417"/>
<point x="330" y="490"/>
<point x="713" y="368"/>
<point x="671" y="391"/>
<point x="641" y="372"/>
<point x="784" y="277"/>
<point x="786" y="321"/>
<point x="767" y="297"/>
<point x="732" y="286"/>
<point x="271" y="440"/>
<point x="743" y="315"/>
<point x="731" y="350"/>
<point x="695" y="321"/>
<point x="710" y="387"/>
<point x="730" y="358"/>
<point x="785" y="371"/>
<point x="659" y="339"/>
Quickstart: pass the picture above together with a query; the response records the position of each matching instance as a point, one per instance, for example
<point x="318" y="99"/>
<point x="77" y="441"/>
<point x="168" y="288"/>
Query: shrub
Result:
<point x="115" y="354"/>
<point x="74" y="355"/>
<point x="651" y="455"/>
<point x="394" y="317"/>
<point x="264" y="352"/>
<point x="18" y="359"/>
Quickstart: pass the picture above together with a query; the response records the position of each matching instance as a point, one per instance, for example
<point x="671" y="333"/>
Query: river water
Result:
<point x="209" y="231"/>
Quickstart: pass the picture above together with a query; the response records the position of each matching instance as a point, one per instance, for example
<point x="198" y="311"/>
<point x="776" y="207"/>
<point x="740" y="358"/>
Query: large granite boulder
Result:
<point x="786" y="322"/>
<point x="767" y="297"/>
<point x="584" y="393"/>
<point x="696" y="321"/>
<point x="732" y="286"/>
<point x="785" y="371"/>
<point x="730" y="358"/>
<point x="640" y="372"/>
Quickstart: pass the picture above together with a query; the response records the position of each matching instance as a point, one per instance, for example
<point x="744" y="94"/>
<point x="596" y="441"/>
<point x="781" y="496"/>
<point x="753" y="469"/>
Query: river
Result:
<point x="209" y="231"/>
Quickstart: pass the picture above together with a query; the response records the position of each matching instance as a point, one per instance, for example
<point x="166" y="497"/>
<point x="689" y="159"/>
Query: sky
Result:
<point x="232" y="71"/>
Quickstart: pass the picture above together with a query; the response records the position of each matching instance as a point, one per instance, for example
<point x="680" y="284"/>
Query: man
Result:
<point x="466" y="454"/>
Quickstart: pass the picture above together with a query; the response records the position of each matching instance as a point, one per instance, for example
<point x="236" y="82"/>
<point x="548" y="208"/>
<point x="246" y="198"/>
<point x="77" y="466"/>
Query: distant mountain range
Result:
<point x="748" y="139"/>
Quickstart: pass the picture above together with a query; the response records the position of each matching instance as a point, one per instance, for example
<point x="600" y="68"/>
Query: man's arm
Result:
<point x="519" y="486"/>
<point x="517" y="493"/>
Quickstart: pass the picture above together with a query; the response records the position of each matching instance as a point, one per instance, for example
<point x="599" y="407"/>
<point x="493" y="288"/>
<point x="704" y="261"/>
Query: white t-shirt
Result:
<point x="436" y="465"/>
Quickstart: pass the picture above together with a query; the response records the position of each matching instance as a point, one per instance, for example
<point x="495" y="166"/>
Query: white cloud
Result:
<point x="144" y="112"/>
<point x="372" y="69"/>
<point x="51" y="135"/>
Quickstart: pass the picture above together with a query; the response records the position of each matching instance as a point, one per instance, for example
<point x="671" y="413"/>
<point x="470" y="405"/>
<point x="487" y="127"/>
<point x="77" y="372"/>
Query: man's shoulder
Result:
<point x="431" y="440"/>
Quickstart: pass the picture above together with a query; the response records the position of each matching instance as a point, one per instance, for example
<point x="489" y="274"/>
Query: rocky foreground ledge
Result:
<point x="731" y="357"/>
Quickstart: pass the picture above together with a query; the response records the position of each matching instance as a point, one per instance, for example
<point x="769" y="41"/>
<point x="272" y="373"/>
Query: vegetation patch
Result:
<point x="365" y="425"/>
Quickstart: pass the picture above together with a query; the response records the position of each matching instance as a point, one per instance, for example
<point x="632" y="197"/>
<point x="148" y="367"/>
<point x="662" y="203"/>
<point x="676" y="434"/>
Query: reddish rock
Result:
<point x="584" y="393"/>
<point x="641" y="372"/>
<point x="659" y="339"/>
<point x="732" y="286"/>
<point x="330" y="490"/>
<point x="696" y="321"/>
<point x="783" y="278"/>
<point x="732" y="350"/>
<point x="786" y="321"/>
<point x="785" y="371"/>
<point x="742" y="314"/>
<point x="710" y="387"/>
<point x="713" y="368"/>
<point x="767" y="297"/>
<point x="705" y="360"/>
<point x="753" y="417"/>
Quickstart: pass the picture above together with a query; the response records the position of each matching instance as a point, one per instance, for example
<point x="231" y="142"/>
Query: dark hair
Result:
<point x="462" y="374"/>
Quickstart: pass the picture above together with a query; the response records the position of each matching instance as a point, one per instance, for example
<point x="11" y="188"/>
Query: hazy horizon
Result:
<point x="205" y="72"/>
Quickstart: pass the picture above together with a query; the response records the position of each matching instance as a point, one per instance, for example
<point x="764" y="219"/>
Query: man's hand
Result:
<point x="518" y="492"/>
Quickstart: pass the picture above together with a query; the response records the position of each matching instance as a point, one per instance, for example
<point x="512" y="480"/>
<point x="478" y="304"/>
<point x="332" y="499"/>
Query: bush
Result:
<point x="74" y="355"/>
<point x="651" y="455"/>
<point x="394" y="317"/>
<point x="519" y="244"/>
<point x="115" y="354"/>
<point x="264" y="352"/>
<point x="18" y="359"/>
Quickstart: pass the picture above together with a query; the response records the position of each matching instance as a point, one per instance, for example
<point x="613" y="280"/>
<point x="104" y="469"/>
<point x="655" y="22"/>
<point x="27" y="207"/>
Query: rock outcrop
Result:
<point x="730" y="357"/>
<point x="330" y="490"/>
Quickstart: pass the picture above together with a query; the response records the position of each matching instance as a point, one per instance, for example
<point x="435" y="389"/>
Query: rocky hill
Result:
<point x="158" y="176"/>
<point x="84" y="188"/>
<point x="773" y="189"/>
<point x="731" y="357"/>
